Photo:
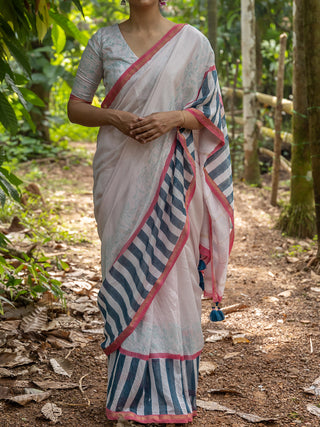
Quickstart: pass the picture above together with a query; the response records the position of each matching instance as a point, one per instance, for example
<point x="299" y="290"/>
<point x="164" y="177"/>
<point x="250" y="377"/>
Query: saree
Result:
<point x="160" y="209"/>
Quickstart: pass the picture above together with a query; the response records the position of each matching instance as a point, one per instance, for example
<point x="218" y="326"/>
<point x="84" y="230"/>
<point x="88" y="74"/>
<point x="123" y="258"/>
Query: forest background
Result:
<point x="264" y="356"/>
<point x="41" y="45"/>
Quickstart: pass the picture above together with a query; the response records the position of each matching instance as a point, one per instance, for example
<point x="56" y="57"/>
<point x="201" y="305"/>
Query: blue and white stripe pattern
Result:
<point x="217" y="165"/>
<point x="152" y="387"/>
<point x="136" y="271"/>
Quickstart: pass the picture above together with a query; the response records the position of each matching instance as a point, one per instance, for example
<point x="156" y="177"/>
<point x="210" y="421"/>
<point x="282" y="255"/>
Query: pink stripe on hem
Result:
<point x="135" y="67"/>
<point x="147" y="419"/>
<point x="159" y="355"/>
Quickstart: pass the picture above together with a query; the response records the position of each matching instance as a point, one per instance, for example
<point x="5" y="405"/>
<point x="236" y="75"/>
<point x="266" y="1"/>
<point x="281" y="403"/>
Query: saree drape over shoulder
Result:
<point x="160" y="208"/>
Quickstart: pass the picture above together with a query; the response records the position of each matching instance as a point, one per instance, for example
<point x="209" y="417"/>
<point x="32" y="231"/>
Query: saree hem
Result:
<point x="141" y="356"/>
<point x="146" y="419"/>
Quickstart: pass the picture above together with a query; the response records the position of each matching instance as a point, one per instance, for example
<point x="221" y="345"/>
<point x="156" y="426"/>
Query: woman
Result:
<point x="162" y="200"/>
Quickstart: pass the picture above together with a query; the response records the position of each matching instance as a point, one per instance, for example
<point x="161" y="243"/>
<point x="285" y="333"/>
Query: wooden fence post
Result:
<point x="278" y="122"/>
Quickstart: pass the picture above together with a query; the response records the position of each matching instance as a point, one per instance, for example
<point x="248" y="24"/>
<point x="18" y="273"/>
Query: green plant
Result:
<point x="21" y="274"/>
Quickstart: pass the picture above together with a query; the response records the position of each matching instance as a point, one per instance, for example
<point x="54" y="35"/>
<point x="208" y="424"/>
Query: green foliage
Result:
<point x="28" y="277"/>
<point x="20" y="23"/>
<point x="9" y="184"/>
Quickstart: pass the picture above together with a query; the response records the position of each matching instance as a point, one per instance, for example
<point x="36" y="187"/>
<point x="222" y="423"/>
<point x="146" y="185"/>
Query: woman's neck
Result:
<point x="145" y="19"/>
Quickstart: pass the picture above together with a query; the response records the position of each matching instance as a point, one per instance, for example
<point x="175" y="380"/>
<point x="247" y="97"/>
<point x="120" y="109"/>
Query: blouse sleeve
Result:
<point x="90" y="71"/>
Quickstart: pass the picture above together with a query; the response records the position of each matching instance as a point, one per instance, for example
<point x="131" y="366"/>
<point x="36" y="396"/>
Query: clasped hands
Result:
<point x="151" y="127"/>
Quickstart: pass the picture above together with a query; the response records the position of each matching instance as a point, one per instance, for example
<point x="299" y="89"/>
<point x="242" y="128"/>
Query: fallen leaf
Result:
<point x="15" y="225"/>
<point x="5" y="373"/>
<point x="59" y="343"/>
<point x="224" y="391"/>
<point x="17" y="313"/>
<point x="62" y="367"/>
<point x="93" y="331"/>
<point x="10" y="325"/>
<point x="314" y="388"/>
<point x="32" y="391"/>
<point x="214" y="406"/>
<point x="51" y="412"/>
<point x="313" y="409"/>
<point x="63" y="322"/>
<point x="10" y="360"/>
<point x="285" y="294"/>
<point x="315" y="289"/>
<point x="23" y="399"/>
<point x="254" y="418"/>
<point x="55" y="385"/>
<point x="207" y="368"/>
<point x="4" y="392"/>
<point x="83" y="308"/>
<point x="79" y="338"/>
<point x="35" y="321"/>
<point x="231" y="355"/>
<point x="240" y="339"/>
<point x="218" y="335"/>
<point x="315" y="276"/>
<point x="292" y="260"/>
<point x="271" y="299"/>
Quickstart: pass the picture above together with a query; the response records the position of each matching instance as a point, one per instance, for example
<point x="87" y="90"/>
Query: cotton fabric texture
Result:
<point x="160" y="208"/>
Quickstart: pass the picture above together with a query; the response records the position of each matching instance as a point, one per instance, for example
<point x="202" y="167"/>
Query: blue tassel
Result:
<point x="201" y="267"/>
<point x="216" y="314"/>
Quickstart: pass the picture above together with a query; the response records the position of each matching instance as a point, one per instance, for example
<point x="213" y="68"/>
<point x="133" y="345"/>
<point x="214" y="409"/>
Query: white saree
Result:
<point x="160" y="208"/>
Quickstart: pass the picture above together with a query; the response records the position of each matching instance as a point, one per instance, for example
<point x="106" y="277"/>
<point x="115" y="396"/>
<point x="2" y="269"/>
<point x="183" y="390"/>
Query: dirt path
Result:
<point x="269" y="353"/>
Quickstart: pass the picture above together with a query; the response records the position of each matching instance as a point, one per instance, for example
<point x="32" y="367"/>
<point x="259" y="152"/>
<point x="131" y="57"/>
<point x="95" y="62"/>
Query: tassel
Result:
<point x="201" y="267"/>
<point x="216" y="314"/>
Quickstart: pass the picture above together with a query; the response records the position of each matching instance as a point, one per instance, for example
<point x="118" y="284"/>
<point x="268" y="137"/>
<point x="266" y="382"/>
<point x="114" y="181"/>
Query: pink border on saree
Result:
<point x="146" y="419"/>
<point x="126" y="76"/>
<point x="159" y="355"/>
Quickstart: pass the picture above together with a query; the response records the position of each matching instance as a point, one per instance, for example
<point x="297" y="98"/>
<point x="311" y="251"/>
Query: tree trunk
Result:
<point x="39" y="114"/>
<point x="278" y="122"/>
<point x="298" y="218"/>
<point x="212" y="14"/>
<point x="248" y="48"/>
<point x="312" y="38"/>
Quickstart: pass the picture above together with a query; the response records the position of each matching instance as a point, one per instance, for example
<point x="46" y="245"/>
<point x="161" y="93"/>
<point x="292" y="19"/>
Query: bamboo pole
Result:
<point x="284" y="163"/>
<point x="285" y="136"/>
<point x="278" y="122"/>
<point x="262" y="98"/>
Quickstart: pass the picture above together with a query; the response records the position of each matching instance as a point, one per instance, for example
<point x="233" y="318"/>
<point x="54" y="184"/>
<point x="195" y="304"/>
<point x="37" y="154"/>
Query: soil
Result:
<point x="271" y="350"/>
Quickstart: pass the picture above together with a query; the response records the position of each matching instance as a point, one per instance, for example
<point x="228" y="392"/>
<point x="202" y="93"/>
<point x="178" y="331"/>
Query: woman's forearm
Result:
<point x="190" y="122"/>
<point x="87" y="115"/>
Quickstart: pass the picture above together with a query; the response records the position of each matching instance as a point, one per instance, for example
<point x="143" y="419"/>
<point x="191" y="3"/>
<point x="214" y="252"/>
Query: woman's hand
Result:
<point x="149" y="128"/>
<point x="123" y="121"/>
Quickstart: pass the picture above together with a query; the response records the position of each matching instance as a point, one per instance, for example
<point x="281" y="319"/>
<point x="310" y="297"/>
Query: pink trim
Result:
<point x="212" y="68"/>
<point x="218" y="193"/>
<point x="175" y="254"/>
<point x="159" y="355"/>
<point x="207" y="123"/>
<point x="75" y="98"/>
<point x="147" y="419"/>
<point x="135" y="67"/>
<point x="205" y="254"/>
